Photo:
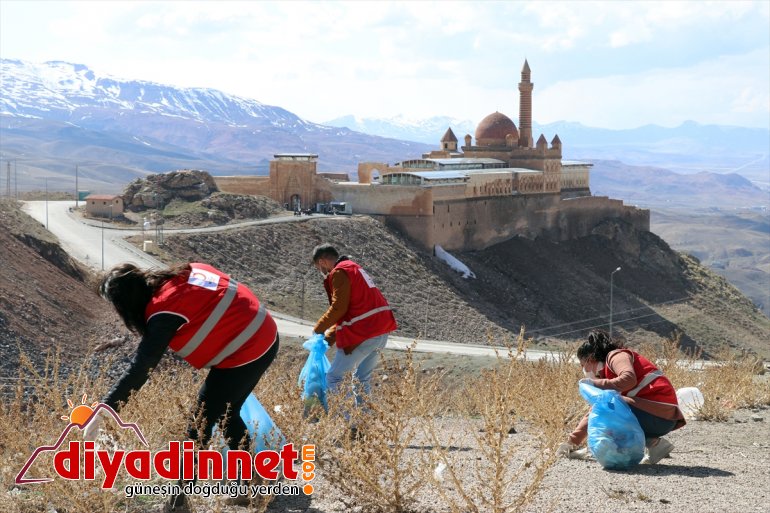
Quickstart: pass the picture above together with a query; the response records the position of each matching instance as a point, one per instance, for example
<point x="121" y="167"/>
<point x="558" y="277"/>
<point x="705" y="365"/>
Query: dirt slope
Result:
<point x="556" y="291"/>
<point x="45" y="301"/>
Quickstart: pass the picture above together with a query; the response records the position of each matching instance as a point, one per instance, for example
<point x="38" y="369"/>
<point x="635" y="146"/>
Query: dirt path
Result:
<point x="715" y="467"/>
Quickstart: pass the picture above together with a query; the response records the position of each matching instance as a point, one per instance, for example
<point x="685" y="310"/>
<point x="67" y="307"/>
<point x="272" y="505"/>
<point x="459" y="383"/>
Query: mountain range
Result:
<point x="56" y="115"/>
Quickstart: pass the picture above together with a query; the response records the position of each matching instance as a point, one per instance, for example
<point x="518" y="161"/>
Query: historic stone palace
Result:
<point x="467" y="198"/>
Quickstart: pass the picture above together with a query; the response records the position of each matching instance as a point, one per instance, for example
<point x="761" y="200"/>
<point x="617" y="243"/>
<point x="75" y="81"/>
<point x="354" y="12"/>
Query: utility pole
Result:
<point x="8" y="181"/>
<point x="77" y="192"/>
<point x="16" y="178"/>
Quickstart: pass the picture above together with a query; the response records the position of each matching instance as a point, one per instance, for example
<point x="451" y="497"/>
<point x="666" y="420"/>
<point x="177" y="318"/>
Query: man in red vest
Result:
<point x="357" y="321"/>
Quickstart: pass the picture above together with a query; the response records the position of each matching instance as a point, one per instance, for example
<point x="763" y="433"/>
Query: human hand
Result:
<point x="587" y="381"/>
<point x="91" y="432"/>
<point x="565" y="448"/>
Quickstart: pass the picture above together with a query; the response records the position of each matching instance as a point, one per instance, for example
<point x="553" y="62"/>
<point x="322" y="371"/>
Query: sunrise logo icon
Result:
<point x="81" y="413"/>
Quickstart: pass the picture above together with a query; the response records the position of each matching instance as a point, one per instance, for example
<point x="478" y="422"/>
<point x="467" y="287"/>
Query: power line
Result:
<point x="681" y="299"/>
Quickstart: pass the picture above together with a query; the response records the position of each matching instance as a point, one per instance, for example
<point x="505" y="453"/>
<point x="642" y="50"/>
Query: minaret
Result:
<point x="525" y="107"/>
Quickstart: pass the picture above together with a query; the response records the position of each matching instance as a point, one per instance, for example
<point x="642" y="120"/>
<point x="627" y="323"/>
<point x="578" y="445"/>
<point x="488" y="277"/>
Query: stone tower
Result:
<point x="525" y="108"/>
<point x="449" y="141"/>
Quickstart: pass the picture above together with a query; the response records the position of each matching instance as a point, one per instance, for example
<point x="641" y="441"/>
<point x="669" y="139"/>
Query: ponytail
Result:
<point x="597" y="346"/>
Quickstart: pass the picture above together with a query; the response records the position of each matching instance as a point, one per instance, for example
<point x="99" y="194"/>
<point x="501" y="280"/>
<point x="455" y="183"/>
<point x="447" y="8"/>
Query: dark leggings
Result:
<point x="222" y="395"/>
<point x="653" y="427"/>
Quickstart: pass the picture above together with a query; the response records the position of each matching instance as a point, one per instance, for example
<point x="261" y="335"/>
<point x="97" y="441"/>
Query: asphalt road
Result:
<point x="101" y="247"/>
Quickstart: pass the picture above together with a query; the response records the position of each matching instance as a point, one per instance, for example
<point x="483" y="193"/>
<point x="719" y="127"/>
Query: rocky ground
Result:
<point x="714" y="468"/>
<point x="47" y="302"/>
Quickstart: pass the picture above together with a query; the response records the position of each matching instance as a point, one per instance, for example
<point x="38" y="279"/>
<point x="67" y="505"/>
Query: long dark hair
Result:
<point x="597" y="346"/>
<point x="130" y="289"/>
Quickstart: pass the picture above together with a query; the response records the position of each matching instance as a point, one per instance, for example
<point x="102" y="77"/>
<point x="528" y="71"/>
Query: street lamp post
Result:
<point x="612" y="275"/>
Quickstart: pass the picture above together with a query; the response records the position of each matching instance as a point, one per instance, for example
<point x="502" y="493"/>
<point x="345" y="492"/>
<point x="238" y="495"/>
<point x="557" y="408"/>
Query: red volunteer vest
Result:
<point x="368" y="315"/>
<point x="226" y="326"/>
<point x="652" y="385"/>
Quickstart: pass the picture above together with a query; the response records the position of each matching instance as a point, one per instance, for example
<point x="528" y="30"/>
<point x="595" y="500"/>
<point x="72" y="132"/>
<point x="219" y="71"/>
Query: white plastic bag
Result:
<point x="690" y="402"/>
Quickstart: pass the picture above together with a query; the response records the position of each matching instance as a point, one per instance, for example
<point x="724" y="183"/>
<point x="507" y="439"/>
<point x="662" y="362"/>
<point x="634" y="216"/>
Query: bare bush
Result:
<point x="372" y="448"/>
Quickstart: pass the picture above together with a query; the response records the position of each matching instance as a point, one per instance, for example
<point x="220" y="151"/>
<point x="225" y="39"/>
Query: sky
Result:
<point x="605" y="64"/>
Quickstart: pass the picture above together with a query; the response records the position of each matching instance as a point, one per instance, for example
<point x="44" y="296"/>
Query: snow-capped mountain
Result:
<point x="61" y="91"/>
<point x="56" y="115"/>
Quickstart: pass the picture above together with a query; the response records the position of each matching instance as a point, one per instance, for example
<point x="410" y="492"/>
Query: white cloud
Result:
<point x="325" y="59"/>
<point x="726" y="90"/>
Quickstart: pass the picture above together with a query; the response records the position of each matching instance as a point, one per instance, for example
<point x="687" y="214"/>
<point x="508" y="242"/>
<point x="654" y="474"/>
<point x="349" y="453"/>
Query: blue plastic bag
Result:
<point x="312" y="378"/>
<point x="615" y="437"/>
<point x="261" y="427"/>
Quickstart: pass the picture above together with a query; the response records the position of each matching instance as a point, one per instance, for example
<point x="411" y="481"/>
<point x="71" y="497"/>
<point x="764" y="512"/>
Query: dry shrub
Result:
<point x="680" y="367"/>
<point x="369" y="450"/>
<point x="729" y="383"/>
<point x="510" y="465"/>
<point x="29" y="418"/>
<point x="415" y="423"/>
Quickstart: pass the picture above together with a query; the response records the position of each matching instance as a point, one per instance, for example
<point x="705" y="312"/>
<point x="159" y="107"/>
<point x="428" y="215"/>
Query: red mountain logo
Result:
<point x="80" y="417"/>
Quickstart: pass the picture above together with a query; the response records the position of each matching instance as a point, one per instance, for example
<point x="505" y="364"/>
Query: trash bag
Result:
<point x="615" y="437"/>
<point x="690" y="401"/>
<point x="313" y="375"/>
<point x="262" y="429"/>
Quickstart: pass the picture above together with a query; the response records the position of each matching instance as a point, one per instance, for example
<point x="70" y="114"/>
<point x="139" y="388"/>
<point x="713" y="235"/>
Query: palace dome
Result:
<point x="493" y="130"/>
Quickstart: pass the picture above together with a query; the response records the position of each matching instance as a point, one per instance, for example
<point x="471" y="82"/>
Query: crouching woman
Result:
<point x="642" y="385"/>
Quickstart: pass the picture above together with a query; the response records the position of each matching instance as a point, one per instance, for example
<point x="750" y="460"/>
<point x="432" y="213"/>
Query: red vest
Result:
<point x="652" y="385"/>
<point x="226" y="326"/>
<point x="368" y="315"/>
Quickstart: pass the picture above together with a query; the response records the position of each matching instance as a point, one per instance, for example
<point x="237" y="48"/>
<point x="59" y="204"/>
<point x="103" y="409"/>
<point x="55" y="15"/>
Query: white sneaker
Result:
<point x="657" y="449"/>
<point x="581" y="454"/>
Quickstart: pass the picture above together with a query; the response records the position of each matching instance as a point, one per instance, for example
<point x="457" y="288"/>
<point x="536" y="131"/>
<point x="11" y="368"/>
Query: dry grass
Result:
<point x="511" y="458"/>
<point x="483" y="444"/>
<point x="729" y="382"/>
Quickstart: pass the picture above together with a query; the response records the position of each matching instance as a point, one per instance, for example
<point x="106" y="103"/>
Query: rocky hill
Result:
<point x="46" y="299"/>
<point x="190" y="197"/>
<point x="557" y="291"/>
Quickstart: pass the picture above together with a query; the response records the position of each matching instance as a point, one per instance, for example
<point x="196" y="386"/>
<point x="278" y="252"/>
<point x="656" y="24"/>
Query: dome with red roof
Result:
<point x="493" y="130"/>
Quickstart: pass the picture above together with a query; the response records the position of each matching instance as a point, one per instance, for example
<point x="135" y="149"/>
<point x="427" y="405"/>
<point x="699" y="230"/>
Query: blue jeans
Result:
<point x="361" y="362"/>
<point x="653" y="427"/>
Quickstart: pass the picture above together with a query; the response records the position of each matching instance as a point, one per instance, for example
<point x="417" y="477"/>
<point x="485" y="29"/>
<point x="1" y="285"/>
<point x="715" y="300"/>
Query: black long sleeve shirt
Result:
<point x="160" y="330"/>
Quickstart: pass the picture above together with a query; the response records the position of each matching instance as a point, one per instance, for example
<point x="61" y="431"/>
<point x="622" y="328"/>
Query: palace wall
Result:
<point x="477" y="223"/>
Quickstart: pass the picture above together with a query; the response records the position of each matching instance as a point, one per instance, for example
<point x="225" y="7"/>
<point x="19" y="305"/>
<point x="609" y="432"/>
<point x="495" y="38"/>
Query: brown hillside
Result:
<point x="45" y="301"/>
<point x="557" y="291"/>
